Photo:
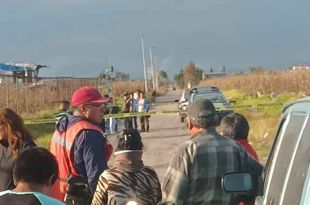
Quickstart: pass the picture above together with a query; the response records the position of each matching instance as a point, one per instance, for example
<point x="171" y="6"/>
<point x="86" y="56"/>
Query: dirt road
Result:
<point x="166" y="133"/>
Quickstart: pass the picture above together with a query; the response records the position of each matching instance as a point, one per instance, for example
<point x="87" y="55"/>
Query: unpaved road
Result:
<point x="166" y="133"/>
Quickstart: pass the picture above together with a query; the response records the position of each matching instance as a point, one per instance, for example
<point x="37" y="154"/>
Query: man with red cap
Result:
<point x="78" y="143"/>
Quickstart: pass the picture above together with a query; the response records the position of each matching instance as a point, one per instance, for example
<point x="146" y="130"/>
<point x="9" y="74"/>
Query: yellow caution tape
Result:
<point x="39" y="121"/>
<point x="164" y="112"/>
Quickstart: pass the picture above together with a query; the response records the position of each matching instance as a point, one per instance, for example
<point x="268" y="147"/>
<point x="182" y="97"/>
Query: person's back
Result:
<point x="208" y="157"/>
<point x="27" y="198"/>
<point x="123" y="186"/>
<point x="195" y="171"/>
<point x="129" y="179"/>
<point x="35" y="172"/>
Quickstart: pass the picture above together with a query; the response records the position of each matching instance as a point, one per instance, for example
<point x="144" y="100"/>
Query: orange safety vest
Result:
<point x="61" y="145"/>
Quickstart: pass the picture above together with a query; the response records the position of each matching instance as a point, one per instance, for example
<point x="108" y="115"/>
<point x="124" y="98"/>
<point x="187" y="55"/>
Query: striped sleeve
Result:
<point x="101" y="193"/>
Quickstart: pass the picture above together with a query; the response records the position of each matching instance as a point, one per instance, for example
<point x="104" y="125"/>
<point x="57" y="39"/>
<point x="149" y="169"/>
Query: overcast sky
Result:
<point x="79" y="37"/>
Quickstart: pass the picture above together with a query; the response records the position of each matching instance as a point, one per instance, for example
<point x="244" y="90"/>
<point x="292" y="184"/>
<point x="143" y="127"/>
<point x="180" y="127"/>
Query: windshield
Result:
<point x="213" y="97"/>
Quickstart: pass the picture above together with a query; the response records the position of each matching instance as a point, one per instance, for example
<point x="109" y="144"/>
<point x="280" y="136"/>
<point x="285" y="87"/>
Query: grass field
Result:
<point x="263" y="121"/>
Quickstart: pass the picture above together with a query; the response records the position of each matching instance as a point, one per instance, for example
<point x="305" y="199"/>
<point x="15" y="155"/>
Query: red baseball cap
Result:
<point x="87" y="95"/>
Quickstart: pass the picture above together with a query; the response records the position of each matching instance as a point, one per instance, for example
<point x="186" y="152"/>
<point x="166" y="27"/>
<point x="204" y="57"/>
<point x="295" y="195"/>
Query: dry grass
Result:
<point x="30" y="98"/>
<point x="265" y="82"/>
<point x="263" y="121"/>
<point x="255" y="88"/>
<point x="262" y="131"/>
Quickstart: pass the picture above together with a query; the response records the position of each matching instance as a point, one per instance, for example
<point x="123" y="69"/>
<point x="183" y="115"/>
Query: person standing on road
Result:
<point x="136" y="96"/>
<point x="129" y="179"/>
<point x="113" y="109"/>
<point x="35" y="173"/>
<point x="195" y="171"/>
<point x="78" y="143"/>
<point x="127" y="108"/>
<point x="64" y="109"/>
<point x="14" y="139"/>
<point x="236" y="126"/>
<point x="144" y="106"/>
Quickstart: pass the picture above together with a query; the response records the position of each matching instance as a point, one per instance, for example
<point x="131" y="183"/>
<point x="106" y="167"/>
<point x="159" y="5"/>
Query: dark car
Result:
<point x="286" y="177"/>
<point x="213" y="94"/>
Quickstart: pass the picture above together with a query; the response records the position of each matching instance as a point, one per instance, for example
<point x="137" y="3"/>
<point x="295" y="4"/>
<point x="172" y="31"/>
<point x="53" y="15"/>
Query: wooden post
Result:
<point x="17" y="94"/>
<point x="7" y="91"/>
<point x="26" y="99"/>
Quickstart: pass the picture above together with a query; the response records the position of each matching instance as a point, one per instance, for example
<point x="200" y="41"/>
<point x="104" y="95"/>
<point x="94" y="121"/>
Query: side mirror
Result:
<point x="238" y="182"/>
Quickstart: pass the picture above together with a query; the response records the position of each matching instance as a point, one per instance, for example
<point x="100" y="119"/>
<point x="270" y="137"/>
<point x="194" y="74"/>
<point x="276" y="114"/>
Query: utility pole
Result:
<point x="152" y="67"/>
<point x="144" y="66"/>
<point x="156" y="72"/>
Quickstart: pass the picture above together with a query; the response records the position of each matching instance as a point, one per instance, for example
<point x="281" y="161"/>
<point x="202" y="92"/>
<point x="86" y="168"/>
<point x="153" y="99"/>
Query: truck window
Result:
<point x="298" y="173"/>
<point x="282" y="156"/>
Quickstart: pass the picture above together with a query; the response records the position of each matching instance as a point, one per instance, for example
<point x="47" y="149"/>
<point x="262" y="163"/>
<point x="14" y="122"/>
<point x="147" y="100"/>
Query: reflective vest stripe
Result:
<point x="58" y="139"/>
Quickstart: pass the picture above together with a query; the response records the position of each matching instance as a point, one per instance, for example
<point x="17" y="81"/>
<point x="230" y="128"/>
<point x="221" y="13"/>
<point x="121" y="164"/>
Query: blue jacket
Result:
<point x="88" y="151"/>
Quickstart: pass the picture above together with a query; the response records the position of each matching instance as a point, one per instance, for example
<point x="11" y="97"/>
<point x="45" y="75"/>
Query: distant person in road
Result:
<point x="129" y="179"/>
<point x="136" y="96"/>
<point x="236" y="126"/>
<point x="78" y="143"/>
<point x="154" y="94"/>
<point x="64" y="109"/>
<point x="14" y="139"/>
<point x="144" y="106"/>
<point x="35" y="172"/>
<point x="113" y="109"/>
<point x="195" y="171"/>
<point x="127" y="108"/>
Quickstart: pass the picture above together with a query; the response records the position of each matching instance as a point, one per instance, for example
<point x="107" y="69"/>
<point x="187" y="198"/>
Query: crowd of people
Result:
<point x="136" y="102"/>
<point x="75" y="169"/>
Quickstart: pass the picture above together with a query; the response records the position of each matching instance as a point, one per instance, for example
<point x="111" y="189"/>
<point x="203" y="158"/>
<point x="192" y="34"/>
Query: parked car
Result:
<point x="286" y="177"/>
<point x="200" y="93"/>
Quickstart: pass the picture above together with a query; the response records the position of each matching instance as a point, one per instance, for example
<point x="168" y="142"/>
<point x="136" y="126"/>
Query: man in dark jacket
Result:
<point x="127" y="108"/>
<point x="79" y="144"/>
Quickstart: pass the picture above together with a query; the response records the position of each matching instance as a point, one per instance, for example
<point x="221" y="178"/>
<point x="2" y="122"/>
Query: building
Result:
<point x="212" y="75"/>
<point x="20" y="72"/>
<point x="300" y="67"/>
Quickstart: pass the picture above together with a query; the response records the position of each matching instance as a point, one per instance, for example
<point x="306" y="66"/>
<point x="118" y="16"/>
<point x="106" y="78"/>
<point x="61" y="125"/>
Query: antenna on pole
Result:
<point x="144" y="66"/>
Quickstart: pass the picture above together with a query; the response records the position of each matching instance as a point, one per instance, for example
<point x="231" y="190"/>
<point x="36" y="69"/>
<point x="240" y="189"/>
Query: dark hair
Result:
<point x="15" y="129"/>
<point x="36" y="166"/>
<point x="129" y="140"/>
<point x="235" y="125"/>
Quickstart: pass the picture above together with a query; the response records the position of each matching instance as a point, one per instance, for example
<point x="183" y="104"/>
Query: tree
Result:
<point x="192" y="75"/>
<point x="163" y="74"/>
<point x="256" y="69"/>
<point x="179" y="79"/>
<point x="189" y="76"/>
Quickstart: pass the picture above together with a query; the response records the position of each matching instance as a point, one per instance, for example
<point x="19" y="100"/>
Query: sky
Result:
<point x="80" y="38"/>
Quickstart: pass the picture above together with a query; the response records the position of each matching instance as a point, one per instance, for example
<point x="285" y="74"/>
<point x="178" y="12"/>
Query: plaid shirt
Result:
<point x="195" y="171"/>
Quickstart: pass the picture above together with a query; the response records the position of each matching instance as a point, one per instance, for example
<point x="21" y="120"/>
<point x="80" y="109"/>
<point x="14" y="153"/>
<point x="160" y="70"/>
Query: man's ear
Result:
<point x="84" y="109"/>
